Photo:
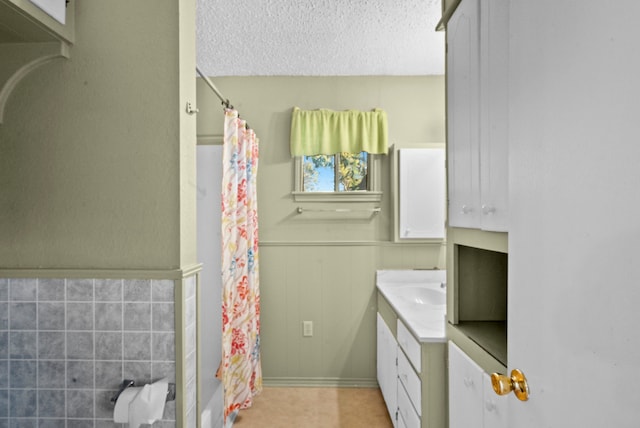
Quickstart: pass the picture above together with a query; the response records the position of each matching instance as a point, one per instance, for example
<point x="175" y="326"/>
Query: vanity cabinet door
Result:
<point x="472" y="402"/>
<point x="406" y="412"/>
<point x="494" y="414"/>
<point x="387" y="371"/>
<point x="401" y="423"/>
<point x="410" y="381"/>
<point x="410" y="345"/>
<point x="465" y="390"/>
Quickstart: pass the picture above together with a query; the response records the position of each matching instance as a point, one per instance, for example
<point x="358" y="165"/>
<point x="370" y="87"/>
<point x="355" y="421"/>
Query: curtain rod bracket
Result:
<point x="190" y="109"/>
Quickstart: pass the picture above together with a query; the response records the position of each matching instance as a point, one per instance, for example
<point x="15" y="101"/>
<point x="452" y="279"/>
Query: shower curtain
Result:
<point x="240" y="369"/>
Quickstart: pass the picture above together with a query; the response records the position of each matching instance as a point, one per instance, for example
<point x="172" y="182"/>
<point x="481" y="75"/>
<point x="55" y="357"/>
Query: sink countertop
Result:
<point x="425" y="321"/>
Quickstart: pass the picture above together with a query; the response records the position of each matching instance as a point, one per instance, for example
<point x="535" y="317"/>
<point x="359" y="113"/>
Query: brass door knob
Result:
<point x="517" y="382"/>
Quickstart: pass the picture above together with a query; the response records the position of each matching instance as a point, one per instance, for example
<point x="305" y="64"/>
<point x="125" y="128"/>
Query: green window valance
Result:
<point x="327" y="132"/>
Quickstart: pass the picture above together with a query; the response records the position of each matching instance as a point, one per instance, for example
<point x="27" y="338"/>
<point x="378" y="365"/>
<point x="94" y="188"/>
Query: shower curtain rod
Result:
<point x="225" y="101"/>
<point x="209" y="83"/>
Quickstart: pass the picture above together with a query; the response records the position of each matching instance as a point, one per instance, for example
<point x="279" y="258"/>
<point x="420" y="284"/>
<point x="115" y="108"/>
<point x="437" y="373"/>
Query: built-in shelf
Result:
<point x="477" y="298"/>
<point x="489" y="335"/>
<point x="29" y="38"/>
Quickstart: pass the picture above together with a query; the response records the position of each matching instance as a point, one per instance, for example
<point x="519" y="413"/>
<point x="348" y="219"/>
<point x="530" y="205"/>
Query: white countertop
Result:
<point x="419" y="299"/>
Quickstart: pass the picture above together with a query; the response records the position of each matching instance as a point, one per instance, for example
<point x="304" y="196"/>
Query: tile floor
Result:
<point x="316" y="407"/>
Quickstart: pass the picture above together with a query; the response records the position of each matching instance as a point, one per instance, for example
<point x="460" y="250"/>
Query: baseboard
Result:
<point x="319" y="382"/>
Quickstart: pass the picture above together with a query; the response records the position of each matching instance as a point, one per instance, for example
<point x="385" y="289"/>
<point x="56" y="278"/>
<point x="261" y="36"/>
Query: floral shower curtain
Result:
<point x="240" y="369"/>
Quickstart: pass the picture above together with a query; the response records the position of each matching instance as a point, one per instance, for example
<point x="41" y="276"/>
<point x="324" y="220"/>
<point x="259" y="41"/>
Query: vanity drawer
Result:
<point x="401" y="423"/>
<point x="411" y="381"/>
<point x="405" y="409"/>
<point x="410" y="346"/>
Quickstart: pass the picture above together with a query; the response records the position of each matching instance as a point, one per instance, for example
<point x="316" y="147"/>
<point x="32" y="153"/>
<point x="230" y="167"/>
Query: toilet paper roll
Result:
<point x="141" y="405"/>
<point x="121" y="411"/>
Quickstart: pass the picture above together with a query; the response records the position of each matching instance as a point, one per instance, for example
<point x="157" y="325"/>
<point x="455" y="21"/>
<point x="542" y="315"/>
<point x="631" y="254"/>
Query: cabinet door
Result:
<point x="410" y="345"/>
<point x="401" y="423"/>
<point x="465" y="390"/>
<point x="410" y="381"/>
<point x="421" y="183"/>
<point x="495" y="407"/>
<point x="387" y="351"/>
<point x="463" y="115"/>
<point x="494" y="65"/>
<point x="54" y="8"/>
<point x="406" y="411"/>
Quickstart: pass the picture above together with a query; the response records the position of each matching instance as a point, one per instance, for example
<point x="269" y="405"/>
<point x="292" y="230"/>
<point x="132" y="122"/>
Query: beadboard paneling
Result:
<point x="333" y="286"/>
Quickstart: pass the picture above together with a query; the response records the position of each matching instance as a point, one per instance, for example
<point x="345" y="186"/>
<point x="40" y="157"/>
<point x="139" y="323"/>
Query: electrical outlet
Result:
<point x="307" y="328"/>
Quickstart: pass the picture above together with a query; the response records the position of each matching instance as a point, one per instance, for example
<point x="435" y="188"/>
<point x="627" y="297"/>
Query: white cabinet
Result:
<point x="32" y="35"/>
<point x="494" y="64"/>
<point x="410" y="346"/>
<point x="54" y="8"/>
<point x="419" y="192"/>
<point x="37" y="21"/>
<point x="477" y="115"/>
<point x="411" y="374"/>
<point x="406" y="412"/>
<point x="463" y="93"/>
<point x="409" y="383"/>
<point x="465" y="390"/>
<point x="494" y="414"/>
<point x="387" y="350"/>
<point x="472" y="402"/>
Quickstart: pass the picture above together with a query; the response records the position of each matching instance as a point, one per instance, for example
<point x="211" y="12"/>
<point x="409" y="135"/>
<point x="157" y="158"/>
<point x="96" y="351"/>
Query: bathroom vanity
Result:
<point x="412" y="346"/>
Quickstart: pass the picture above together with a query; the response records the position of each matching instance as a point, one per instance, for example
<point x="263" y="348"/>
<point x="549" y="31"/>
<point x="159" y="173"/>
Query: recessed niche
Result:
<point x="481" y="294"/>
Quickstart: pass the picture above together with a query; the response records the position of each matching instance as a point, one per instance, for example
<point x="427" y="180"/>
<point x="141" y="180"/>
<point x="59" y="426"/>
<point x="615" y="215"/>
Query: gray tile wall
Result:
<point x="67" y="344"/>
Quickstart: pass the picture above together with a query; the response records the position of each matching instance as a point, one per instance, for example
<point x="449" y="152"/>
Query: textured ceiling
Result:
<point x="319" y="37"/>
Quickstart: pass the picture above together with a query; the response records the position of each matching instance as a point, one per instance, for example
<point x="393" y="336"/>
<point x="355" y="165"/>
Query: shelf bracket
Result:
<point x="19" y="59"/>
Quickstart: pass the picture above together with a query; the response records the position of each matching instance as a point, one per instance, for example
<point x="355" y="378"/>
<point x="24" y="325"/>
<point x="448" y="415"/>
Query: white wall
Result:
<point x="209" y="173"/>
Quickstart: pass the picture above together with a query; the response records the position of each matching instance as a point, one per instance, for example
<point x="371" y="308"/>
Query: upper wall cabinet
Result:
<point x="32" y="33"/>
<point x="477" y="115"/>
<point x="36" y="21"/>
<point x="419" y="192"/>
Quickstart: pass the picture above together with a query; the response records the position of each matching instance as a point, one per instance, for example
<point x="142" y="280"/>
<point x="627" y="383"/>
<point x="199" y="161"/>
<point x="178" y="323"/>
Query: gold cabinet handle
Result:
<point x="517" y="382"/>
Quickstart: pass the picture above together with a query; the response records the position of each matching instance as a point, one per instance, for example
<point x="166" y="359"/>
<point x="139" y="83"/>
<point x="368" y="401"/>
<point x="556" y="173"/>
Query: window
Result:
<point x="340" y="177"/>
<point x="336" y="154"/>
<point x="343" y="172"/>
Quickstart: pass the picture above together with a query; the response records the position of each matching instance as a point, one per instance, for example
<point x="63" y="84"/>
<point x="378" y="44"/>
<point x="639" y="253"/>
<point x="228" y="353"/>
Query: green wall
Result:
<point x="97" y="179"/>
<point x="97" y="153"/>
<point x="321" y="267"/>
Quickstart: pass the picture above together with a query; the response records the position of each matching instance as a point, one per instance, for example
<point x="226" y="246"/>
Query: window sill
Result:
<point x="337" y="196"/>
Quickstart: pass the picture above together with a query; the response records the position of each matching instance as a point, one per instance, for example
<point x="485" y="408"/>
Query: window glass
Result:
<point x="319" y="173"/>
<point x="352" y="172"/>
<point x="344" y="172"/>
